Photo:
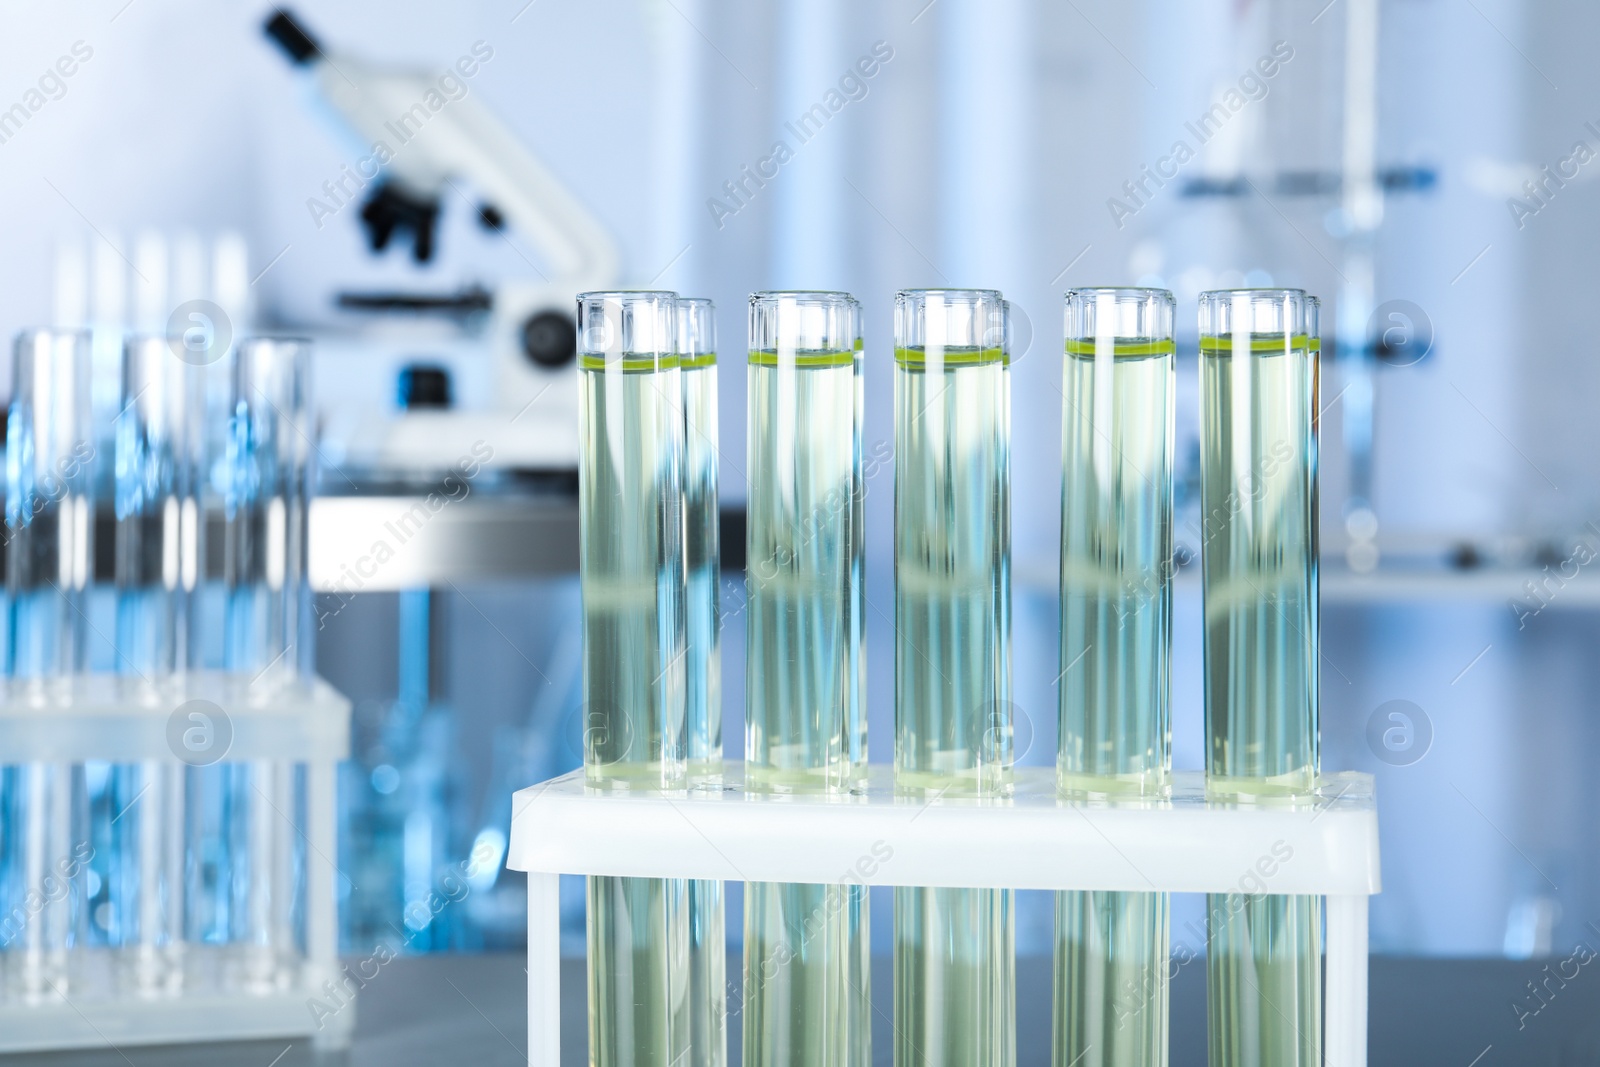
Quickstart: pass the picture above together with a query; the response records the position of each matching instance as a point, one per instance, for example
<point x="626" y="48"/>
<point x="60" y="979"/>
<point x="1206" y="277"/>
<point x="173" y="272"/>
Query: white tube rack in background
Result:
<point x="123" y="719"/>
<point x="1032" y="840"/>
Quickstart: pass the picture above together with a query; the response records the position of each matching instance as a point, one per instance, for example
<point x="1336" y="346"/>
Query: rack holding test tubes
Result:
<point x="1286" y="854"/>
<point x="168" y="840"/>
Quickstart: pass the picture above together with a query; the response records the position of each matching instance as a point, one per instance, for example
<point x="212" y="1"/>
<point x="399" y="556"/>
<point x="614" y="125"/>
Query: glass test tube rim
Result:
<point x="920" y="302"/>
<point x="29" y="338"/>
<point x="1212" y="304"/>
<point x="60" y="345"/>
<point x="819" y="296"/>
<point x="1121" y="290"/>
<point x="693" y="330"/>
<point x="598" y="350"/>
<point x="769" y="309"/>
<point x="968" y="294"/>
<point x="144" y="339"/>
<point x="1086" y="299"/>
<point x="258" y="356"/>
<point x="590" y="296"/>
<point x="988" y="322"/>
<point x="1087" y="296"/>
<point x="1267" y="290"/>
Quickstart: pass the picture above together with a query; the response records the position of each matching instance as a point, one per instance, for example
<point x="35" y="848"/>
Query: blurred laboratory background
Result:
<point x="421" y="188"/>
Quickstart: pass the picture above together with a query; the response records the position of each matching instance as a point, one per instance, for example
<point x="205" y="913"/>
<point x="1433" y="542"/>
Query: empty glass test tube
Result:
<point x="49" y="561"/>
<point x="158" y="553"/>
<point x="631" y="564"/>
<point x="1115" y="735"/>
<point x="806" y="954"/>
<point x="708" y="949"/>
<point x="954" y="949"/>
<point x="1258" y="479"/>
<point x="265" y="634"/>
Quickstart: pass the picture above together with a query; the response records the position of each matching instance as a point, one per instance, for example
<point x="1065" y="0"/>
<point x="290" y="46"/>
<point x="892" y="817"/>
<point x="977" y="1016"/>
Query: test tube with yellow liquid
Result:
<point x="1258" y="486"/>
<point x="808" y="995"/>
<point x="954" y="949"/>
<point x="631" y="566"/>
<point x="1115" y="736"/>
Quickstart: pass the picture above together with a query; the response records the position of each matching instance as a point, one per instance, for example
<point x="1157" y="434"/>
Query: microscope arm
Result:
<point x="462" y="140"/>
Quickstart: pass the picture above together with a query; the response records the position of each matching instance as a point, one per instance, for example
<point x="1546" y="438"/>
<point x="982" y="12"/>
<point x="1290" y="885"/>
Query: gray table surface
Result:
<point x="471" y="1010"/>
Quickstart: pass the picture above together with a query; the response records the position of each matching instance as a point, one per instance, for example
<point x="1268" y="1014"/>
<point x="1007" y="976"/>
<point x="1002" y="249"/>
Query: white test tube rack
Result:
<point x="1033" y="840"/>
<point x="125" y="720"/>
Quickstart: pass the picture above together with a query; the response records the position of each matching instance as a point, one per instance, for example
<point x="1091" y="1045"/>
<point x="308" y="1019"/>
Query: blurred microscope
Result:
<point x="455" y="492"/>
<point x="525" y="329"/>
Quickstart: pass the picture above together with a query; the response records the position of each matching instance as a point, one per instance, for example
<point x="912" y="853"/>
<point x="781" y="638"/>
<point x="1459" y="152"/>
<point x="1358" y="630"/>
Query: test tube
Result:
<point x="806" y="729"/>
<point x="157" y="437"/>
<point x="631" y="565"/>
<point x="954" y="949"/>
<point x="1258" y="485"/>
<point x="265" y="559"/>
<point x="264" y="565"/>
<point x="1115" y="736"/>
<point x="708" y="951"/>
<point x="806" y="956"/>
<point x="49" y="561"/>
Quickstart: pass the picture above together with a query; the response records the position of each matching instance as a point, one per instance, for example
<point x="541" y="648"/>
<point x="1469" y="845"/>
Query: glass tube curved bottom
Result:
<point x="1111" y="980"/>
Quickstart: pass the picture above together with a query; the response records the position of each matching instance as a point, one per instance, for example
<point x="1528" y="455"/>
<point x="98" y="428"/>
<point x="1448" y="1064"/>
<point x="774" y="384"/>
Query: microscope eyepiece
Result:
<point x="300" y="45"/>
